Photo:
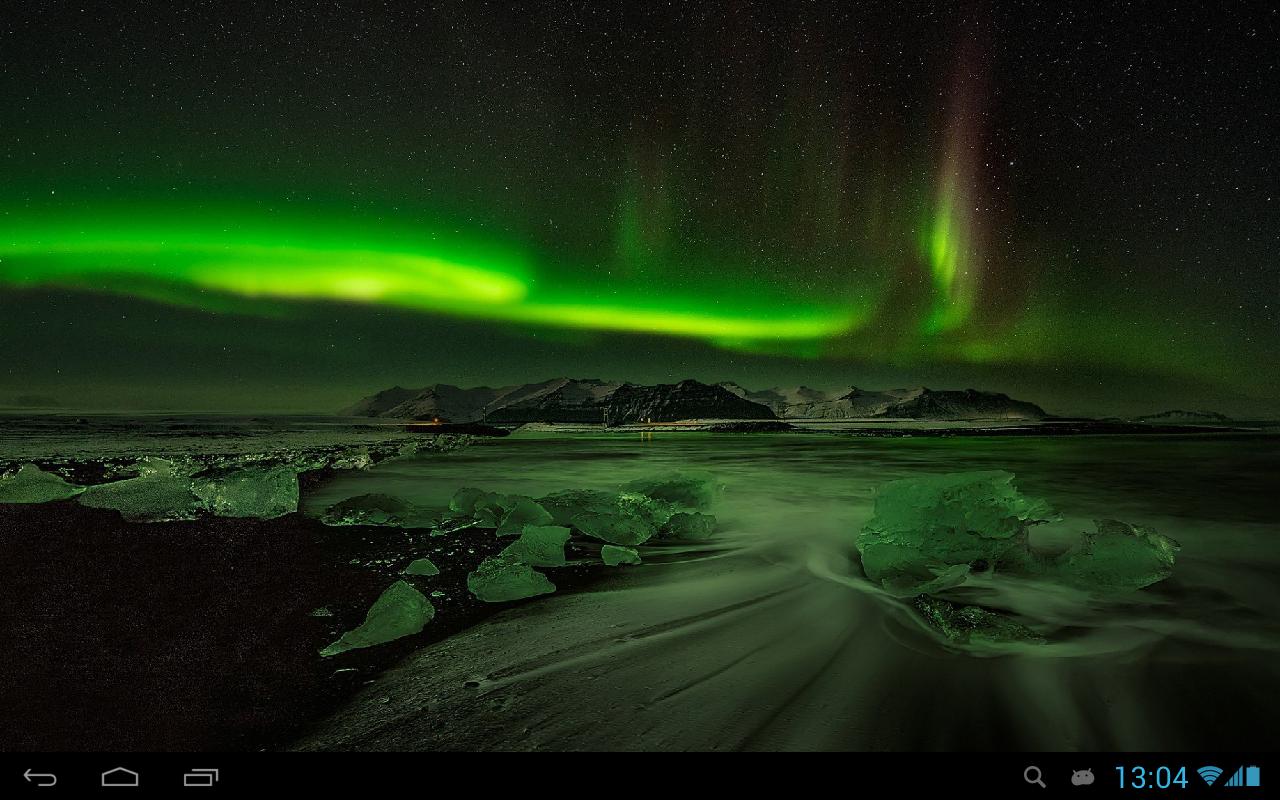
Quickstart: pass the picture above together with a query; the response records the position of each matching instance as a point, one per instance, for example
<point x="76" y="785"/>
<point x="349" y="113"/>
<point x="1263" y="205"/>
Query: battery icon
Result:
<point x="1246" y="776"/>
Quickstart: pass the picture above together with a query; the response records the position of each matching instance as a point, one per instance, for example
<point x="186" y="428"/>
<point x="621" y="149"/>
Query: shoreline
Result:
<point x="202" y="635"/>
<point x="905" y="428"/>
<point x="199" y="635"/>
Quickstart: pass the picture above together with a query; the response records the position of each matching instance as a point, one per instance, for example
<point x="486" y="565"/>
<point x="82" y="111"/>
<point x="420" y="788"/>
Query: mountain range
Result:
<point x="803" y="402"/>
<point x="616" y="403"/>
<point x="1179" y="416"/>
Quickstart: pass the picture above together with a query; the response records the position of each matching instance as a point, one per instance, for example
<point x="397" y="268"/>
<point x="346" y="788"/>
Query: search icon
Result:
<point x="1032" y="775"/>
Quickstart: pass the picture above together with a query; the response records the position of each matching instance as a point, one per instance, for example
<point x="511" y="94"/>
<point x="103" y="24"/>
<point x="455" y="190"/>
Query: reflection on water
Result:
<point x="772" y="638"/>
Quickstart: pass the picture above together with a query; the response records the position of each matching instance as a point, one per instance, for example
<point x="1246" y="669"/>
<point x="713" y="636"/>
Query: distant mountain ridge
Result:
<point x="571" y="400"/>
<point x="561" y="400"/>
<point x="803" y="402"/>
<point x="1178" y="415"/>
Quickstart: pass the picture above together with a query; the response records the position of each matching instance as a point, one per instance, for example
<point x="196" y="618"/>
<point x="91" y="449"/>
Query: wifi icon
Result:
<point x="1210" y="774"/>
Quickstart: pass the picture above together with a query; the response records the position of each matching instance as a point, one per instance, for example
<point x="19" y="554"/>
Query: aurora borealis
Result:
<point x="207" y="205"/>
<point x="176" y="262"/>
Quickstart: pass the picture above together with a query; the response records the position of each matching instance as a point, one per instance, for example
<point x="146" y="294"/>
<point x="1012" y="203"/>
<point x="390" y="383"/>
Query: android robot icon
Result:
<point x="1082" y="777"/>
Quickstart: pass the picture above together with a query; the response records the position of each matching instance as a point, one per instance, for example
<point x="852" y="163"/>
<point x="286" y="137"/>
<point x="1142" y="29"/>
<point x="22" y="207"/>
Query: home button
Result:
<point x="120" y="777"/>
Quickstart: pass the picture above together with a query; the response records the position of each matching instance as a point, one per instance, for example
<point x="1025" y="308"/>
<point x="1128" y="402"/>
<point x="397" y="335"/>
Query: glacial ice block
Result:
<point x="565" y="505"/>
<point x="368" y="509"/>
<point x="160" y="492"/>
<point x="930" y="533"/>
<point x="613" y="528"/>
<point x="613" y="556"/>
<point x="30" y="484"/>
<point x="464" y="500"/>
<point x="504" y="577"/>
<point x="689" y="525"/>
<point x="491" y="510"/>
<point x="691" y="491"/>
<point x="424" y="567"/>
<point x="522" y="512"/>
<point x="259" y="493"/>
<point x="400" y="611"/>
<point x="624" y="519"/>
<point x="653" y="513"/>
<point x="924" y="525"/>
<point x="540" y="546"/>
<point x="1116" y="557"/>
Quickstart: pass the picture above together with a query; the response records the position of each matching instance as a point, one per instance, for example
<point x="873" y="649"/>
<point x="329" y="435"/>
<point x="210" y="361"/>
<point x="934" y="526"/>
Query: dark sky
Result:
<point x="213" y="206"/>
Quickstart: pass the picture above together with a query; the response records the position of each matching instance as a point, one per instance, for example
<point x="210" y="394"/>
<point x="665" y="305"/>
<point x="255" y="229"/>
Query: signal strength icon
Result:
<point x="1245" y="776"/>
<point x="1210" y="774"/>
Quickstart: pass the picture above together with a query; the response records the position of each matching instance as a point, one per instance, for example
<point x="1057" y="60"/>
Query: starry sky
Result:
<point x="209" y="206"/>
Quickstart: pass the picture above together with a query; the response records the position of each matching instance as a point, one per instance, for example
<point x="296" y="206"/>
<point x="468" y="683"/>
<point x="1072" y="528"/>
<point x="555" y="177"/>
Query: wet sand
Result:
<point x="761" y="651"/>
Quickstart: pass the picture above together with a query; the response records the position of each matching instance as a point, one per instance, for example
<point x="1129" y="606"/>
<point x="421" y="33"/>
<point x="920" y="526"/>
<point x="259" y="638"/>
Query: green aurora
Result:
<point x="245" y="258"/>
<point x="623" y="201"/>
<point x="245" y="262"/>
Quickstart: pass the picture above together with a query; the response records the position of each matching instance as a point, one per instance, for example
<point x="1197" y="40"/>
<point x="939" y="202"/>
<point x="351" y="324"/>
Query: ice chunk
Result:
<point x="260" y="493"/>
<point x="968" y="625"/>
<point x="524" y="511"/>
<point x="613" y="528"/>
<point x="693" y="490"/>
<point x="354" y="458"/>
<point x="540" y="546"/>
<point x="612" y="555"/>
<point x="628" y="518"/>
<point x="30" y="484"/>
<point x="689" y="525"/>
<point x="464" y="500"/>
<point x="653" y="513"/>
<point x="400" y="611"/>
<point x="504" y="577"/>
<point x="1116" y="557"/>
<point x="564" y="506"/>
<point x="161" y="491"/>
<point x="368" y="509"/>
<point x="491" y="508"/>
<point x="923" y="526"/>
<point x="487" y="508"/>
<point x="423" y="567"/>
<point x="929" y="533"/>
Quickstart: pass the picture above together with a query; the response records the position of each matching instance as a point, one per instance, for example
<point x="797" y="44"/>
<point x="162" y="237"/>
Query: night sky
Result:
<point x="207" y="206"/>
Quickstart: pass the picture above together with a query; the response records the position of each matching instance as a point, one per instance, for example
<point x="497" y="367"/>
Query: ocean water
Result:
<point x="71" y="437"/>
<point x="770" y="637"/>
